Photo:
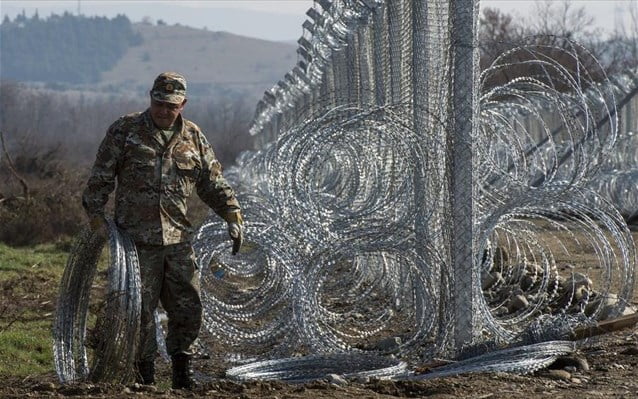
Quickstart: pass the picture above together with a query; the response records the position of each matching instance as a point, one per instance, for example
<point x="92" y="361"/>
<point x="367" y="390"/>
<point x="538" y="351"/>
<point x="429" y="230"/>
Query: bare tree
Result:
<point x="622" y="48"/>
<point x="9" y="162"/>
<point x="498" y="32"/>
<point x="550" y="25"/>
<point x="563" y="19"/>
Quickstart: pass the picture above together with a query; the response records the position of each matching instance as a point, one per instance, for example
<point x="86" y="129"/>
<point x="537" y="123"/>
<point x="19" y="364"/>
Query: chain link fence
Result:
<point x="491" y="153"/>
<point x="421" y="56"/>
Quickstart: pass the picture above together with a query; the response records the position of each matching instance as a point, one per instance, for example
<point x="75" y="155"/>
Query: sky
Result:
<point x="266" y="19"/>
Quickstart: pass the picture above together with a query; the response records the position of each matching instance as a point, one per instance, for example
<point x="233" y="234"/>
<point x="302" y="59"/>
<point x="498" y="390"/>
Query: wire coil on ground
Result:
<point x="116" y="346"/>
<point x="521" y="359"/>
<point x="316" y="367"/>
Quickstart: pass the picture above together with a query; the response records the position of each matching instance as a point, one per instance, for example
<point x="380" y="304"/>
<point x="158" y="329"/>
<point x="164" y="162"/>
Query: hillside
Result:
<point x="211" y="61"/>
<point x="115" y="56"/>
<point x="63" y="48"/>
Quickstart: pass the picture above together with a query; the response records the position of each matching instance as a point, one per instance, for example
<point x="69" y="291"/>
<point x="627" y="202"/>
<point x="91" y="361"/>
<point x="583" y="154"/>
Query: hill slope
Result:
<point x="211" y="61"/>
<point x="114" y="56"/>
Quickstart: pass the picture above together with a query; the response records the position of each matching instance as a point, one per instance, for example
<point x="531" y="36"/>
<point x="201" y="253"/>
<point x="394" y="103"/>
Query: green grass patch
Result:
<point x="47" y="260"/>
<point x="26" y="349"/>
<point x="29" y="281"/>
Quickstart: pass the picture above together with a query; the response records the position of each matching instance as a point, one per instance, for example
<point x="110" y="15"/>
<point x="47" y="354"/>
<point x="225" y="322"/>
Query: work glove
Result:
<point x="235" y="229"/>
<point x="237" y="235"/>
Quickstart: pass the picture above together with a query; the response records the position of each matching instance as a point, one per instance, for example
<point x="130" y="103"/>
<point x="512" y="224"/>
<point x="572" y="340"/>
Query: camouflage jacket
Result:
<point x="154" y="179"/>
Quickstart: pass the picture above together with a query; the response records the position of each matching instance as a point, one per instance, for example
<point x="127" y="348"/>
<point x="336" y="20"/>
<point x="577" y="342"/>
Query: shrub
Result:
<point x="53" y="208"/>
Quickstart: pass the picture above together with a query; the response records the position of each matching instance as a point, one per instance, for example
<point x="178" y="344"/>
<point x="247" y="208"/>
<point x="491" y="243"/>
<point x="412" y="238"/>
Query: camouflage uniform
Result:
<point x="168" y="274"/>
<point x="154" y="179"/>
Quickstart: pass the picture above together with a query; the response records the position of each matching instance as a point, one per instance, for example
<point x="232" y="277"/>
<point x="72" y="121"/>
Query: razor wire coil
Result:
<point x="347" y="202"/>
<point x="117" y="324"/>
<point x="309" y="368"/>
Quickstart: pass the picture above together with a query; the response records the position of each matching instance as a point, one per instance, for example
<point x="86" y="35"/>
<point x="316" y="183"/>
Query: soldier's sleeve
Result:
<point x="102" y="179"/>
<point x="213" y="189"/>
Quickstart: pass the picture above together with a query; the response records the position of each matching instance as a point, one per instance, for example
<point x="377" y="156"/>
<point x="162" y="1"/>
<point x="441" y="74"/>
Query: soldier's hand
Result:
<point x="236" y="233"/>
<point x="98" y="225"/>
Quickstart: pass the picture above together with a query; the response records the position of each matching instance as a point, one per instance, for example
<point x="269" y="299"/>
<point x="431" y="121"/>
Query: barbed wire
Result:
<point x="520" y="359"/>
<point x="347" y="206"/>
<point x="115" y="335"/>
<point x="314" y="367"/>
<point x="534" y="203"/>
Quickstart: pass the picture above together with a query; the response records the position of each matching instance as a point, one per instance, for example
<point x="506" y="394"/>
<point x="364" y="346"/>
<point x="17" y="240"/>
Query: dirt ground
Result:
<point x="606" y="367"/>
<point x="609" y="370"/>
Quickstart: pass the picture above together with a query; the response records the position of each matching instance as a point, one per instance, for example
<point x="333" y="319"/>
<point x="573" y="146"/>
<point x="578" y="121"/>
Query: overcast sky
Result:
<point x="266" y="19"/>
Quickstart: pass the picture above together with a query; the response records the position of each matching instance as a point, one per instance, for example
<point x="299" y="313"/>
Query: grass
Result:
<point x="29" y="279"/>
<point x="25" y="349"/>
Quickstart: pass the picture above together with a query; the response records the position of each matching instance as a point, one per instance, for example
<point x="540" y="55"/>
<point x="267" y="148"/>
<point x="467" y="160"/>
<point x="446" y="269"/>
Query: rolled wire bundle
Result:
<point x="350" y="169"/>
<point x="519" y="359"/>
<point x="314" y="367"/>
<point x="534" y="277"/>
<point x="541" y="143"/>
<point x="540" y="126"/>
<point x="117" y="325"/>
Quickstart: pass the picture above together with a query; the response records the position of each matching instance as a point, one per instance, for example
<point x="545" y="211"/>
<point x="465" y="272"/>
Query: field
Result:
<point x="29" y="276"/>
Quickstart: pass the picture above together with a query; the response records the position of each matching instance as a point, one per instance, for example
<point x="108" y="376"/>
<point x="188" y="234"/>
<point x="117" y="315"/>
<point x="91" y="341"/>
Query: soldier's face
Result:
<point x="164" y="114"/>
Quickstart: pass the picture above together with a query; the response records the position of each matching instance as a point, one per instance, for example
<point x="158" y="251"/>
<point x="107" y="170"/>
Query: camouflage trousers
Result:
<point x="168" y="273"/>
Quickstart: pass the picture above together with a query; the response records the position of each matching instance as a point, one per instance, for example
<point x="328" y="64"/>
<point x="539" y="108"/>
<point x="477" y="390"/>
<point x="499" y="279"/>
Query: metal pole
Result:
<point x="461" y="182"/>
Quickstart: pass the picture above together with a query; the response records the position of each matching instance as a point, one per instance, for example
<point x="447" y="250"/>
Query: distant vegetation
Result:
<point x="48" y="141"/>
<point x="63" y="48"/>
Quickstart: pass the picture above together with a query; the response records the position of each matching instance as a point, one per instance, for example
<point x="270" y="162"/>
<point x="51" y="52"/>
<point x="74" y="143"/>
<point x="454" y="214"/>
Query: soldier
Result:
<point x="158" y="157"/>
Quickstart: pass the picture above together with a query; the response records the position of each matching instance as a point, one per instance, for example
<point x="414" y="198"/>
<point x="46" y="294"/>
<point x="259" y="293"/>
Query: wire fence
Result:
<point x="402" y="203"/>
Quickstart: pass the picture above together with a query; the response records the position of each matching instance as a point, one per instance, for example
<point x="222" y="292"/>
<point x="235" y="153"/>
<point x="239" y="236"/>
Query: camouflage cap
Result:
<point x="169" y="87"/>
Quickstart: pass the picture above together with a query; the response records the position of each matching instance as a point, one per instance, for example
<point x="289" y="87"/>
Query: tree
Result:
<point x="547" y="29"/>
<point x="622" y="49"/>
<point x="66" y="48"/>
<point x="497" y="33"/>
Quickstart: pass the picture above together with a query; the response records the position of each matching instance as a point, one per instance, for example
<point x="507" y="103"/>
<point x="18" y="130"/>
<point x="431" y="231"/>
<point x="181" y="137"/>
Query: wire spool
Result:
<point x="117" y="324"/>
<point x="366" y="297"/>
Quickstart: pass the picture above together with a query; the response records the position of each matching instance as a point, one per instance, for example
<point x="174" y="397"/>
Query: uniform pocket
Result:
<point x="187" y="167"/>
<point x="142" y="155"/>
<point x="139" y="168"/>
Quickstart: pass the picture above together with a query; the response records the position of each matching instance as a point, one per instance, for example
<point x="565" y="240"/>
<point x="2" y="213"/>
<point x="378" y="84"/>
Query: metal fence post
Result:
<point x="460" y="148"/>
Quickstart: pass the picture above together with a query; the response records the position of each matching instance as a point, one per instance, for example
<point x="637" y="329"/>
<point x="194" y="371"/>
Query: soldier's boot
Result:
<point x="146" y="372"/>
<point x="182" y="372"/>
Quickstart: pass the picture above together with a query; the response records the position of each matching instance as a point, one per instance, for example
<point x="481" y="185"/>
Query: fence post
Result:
<point x="461" y="133"/>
